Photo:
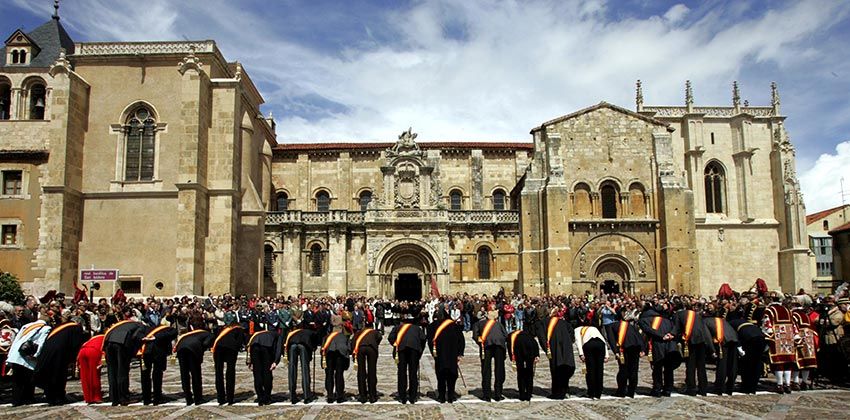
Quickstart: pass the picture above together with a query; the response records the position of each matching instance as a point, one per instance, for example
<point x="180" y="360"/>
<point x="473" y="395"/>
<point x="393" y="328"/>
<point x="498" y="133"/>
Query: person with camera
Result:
<point x="832" y="360"/>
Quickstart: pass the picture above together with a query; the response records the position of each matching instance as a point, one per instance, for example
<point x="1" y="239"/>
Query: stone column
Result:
<point x="290" y="281"/>
<point x="14" y="104"/>
<point x="477" y="173"/>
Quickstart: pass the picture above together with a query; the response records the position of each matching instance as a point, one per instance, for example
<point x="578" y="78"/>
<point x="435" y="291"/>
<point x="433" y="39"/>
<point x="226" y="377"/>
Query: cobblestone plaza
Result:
<point x="821" y="403"/>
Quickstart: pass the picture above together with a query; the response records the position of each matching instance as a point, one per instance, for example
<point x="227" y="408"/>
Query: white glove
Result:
<point x="741" y="351"/>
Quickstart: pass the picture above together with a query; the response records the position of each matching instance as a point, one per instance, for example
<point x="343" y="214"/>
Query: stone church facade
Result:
<point x="153" y="158"/>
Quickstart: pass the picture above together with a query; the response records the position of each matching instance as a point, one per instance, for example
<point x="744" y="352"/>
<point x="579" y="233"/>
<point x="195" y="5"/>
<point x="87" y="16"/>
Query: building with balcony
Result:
<point x="153" y="158"/>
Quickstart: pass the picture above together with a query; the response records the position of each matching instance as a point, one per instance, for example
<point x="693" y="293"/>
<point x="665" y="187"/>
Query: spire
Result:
<point x="689" y="96"/>
<point x="639" y="96"/>
<point x="774" y="98"/>
<point x="55" y="9"/>
<point x="736" y="97"/>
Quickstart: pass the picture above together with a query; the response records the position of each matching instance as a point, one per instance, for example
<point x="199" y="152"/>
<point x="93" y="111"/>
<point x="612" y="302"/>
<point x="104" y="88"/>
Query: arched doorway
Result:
<point x="406" y="268"/>
<point x="612" y="275"/>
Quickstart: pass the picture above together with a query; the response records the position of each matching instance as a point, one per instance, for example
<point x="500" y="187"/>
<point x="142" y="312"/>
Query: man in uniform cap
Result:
<point x="689" y="329"/>
<point x="335" y="361"/>
<point x="58" y="351"/>
<point x="663" y="356"/>
<point x="752" y="342"/>
<point x="364" y="351"/>
<point x="445" y="340"/>
<point x="156" y="348"/>
<point x="123" y="339"/>
<point x="190" y="349"/>
<point x="491" y="338"/>
<point x="628" y="349"/>
<point x="264" y="351"/>
<point x="408" y="341"/>
<point x="225" y="349"/>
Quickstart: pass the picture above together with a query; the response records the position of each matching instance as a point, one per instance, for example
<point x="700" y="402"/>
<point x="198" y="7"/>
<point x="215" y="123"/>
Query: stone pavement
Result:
<point x="824" y="403"/>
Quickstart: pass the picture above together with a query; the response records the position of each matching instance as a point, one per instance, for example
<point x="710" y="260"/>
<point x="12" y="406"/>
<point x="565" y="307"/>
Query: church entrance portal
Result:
<point x="612" y="275"/>
<point x="408" y="287"/>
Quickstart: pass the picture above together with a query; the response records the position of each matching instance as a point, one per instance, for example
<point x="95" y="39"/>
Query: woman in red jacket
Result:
<point x="89" y="360"/>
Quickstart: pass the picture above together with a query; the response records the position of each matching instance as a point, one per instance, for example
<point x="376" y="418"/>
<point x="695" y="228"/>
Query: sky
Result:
<point x="491" y="70"/>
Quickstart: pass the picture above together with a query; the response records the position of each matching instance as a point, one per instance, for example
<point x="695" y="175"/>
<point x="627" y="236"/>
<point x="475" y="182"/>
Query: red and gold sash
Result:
<point x="689" y="325"/>
<point x="179" y="339"/>
<point x="582" y="331"/>
<point x="401" y="332"/>
<point x="288" y="336"/>
<point x="514" y="335"/>
<point x="223" y="333"/>
<point x="32" y="328"/>
<point x="440" y="329"/>
<point x="621" y="334"/>
<point x="720" y="327"/>
<point x="486" y="332"/>
<point x="328" y="341"/>
<point x="116" y="325"/>
<point x="359" y="339"/>
<point x="656" y="322"/>
<point x="60" y="328"/>
<point x="150" y="335"/>
<point x="550" y="329"/>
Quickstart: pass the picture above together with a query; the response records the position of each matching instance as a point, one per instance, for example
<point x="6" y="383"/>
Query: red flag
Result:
<point x="434" y="289"/>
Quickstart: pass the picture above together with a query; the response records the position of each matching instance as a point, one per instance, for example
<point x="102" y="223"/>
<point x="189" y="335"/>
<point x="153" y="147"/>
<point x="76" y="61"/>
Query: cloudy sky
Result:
<point x="491" y="70"/>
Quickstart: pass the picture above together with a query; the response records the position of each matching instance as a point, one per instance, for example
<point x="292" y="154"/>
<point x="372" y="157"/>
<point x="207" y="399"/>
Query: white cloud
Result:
<point x="676" y="13"/>
<point x="821" y="183"/>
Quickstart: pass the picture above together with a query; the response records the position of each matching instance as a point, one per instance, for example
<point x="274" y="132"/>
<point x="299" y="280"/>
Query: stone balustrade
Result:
<point x="711" y="111"/>
<point x="479" y="217"/>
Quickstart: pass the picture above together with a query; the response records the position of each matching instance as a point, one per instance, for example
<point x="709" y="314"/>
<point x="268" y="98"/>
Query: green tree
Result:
<point x="10" y="289"/>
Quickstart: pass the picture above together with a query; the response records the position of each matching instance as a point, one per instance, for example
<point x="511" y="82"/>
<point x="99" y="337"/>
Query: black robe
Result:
<point x="58" y="352"/>
<point x="524" y="348"/>
<point x="561" y="343"/>
<point x="660" y="348"/>
<point x="449" y="345"/>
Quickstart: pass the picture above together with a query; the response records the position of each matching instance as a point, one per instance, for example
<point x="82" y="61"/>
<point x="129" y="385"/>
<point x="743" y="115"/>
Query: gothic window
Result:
<point x="609" y="201"/>
<point x="323" y="201"/>
<point x="715" y="185"/>
<point x="455" y="200"/>
<point x="5" y="100"/>
<point x="37" y="98"/>
<point x="484" y="256"/>
<point x="581" y="201"/>
<point x="316" y="260"/>
<point x="499" y="199"/>
<point x="139" y="135"/>
<point x="365" y="199"/>
<point x="282" y="201"/>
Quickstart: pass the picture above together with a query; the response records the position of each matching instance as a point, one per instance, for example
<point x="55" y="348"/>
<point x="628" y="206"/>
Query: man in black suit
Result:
<point x="335" y="361"/>
<point x="58" y="351"/>
<point x="524" y="353"/>
<point x="299" y="346"/>
<point x="491" y="338"/>
<point x="724" y="348"/>
<point x="408" y="341"/>
<point x="445" y="340"/>
<point x="752" y="340"/>
<point x="556" y="338"/>
<point x="689" y="329"/>
<point x="628" y="348"/>
<point x="264" y="351"/>
<point x="225" y="349"/>
<point x="663" y="355"/>
<point x="155" y="350"/>
<point x="364" y="351"/>
<point x="122" y="342"/>
<point x="190" y="350"/>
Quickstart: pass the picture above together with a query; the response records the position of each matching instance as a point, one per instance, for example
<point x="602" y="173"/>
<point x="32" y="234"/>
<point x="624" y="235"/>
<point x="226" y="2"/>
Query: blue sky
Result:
<point x="492" y="70"/>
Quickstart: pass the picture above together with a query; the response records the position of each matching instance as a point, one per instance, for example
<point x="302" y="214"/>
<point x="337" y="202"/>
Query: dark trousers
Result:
<point x="298" y="354"/>
<point x="662" y="373"/>
<point x="190" y="377"/>
<point x="118" y="372"/>
<point x="23" y="387"/>
<point x="152" y="370"/>
<point x="560" y="379"/>
<point x="727" y="370"/>
<point x="261" y="365"/>
<point x="594" y="357"/>
<point x="627" y="375"/>
<point x="335" y="376"/>
<point x="367" y="377"/>
<point x="525" y="378"/>
<point x="493" y="355"/>
<point x="695" y="370"/>
<point x="751" y="365"/>
<point x="408" y="374"/>
<point x="225" y="374"/>
<point x="446" y="381"/>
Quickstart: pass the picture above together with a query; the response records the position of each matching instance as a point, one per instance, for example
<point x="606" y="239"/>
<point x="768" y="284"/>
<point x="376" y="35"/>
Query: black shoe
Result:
<point x="341" y="400"/>
<point x="499" y="397"/>
<point x="666" y="393"/>
<point x="188" y="403"/>
<point x="486" y="398"/>
<point x="441" y="400"/>
<point x="373" y="400"/>
<point x="361" y="400"/>
<point x="403" y="401"/>
<point x="619" y="395"/>
<point x="294" y="400"/>
<point x="330" y="400"/>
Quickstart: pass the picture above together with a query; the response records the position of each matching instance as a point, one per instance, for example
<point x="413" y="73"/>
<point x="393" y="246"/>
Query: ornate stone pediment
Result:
<point x="406" y="145"/>
<point x="407" y="186"/>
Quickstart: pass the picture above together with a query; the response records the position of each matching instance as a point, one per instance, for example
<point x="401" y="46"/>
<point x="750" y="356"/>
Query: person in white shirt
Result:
<point x="593" y="351"/>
